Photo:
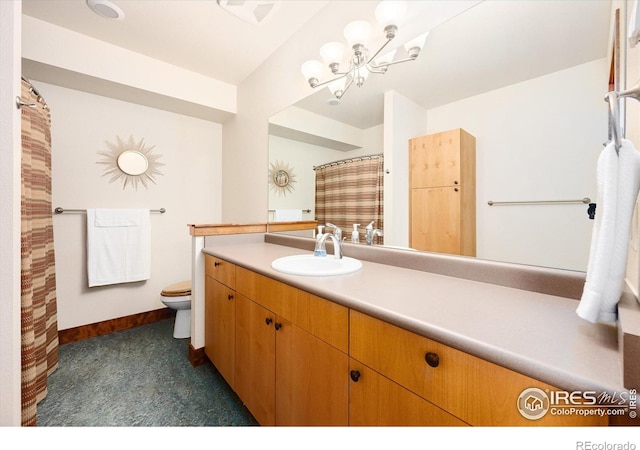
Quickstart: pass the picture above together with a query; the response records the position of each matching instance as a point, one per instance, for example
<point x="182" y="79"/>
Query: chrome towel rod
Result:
<point x="59" y="210"/>
<point x="540" y="202"/>
<point x="613" y="98"/>
<point x="308" y="211"/>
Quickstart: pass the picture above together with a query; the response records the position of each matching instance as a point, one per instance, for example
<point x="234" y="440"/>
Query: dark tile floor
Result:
<point x="139" y="377"/>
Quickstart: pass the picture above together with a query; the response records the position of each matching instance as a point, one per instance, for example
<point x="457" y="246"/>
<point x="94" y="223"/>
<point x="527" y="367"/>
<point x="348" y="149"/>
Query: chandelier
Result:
<point x="360" y="63"/>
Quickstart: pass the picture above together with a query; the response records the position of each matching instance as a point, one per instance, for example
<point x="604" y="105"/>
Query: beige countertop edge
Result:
<point x="561" y="352"/>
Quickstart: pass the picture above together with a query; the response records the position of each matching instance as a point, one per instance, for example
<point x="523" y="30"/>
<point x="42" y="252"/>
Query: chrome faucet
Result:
<point x="320" y="246"/>
<point x="370" y="233"/>
<point x="336" y="231"/>
<point x="336" y="238"/>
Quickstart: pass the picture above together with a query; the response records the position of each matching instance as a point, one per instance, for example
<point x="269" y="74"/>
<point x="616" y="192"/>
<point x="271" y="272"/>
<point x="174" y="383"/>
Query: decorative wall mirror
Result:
<point x="281" y="178"/>
<point x="132" y="162"/>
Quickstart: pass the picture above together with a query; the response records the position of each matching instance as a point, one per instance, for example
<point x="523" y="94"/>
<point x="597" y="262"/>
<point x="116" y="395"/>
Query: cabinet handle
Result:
<point x="277" y="326"/>
<point x="230" y="297"/>
<point x="355" y="375"/>
<point x="455" y="189"/>
<point x="268" y="320"/>
<point x="432" y="359"/>
<point x="455" y="181"/>
<point x="216" y="264"/>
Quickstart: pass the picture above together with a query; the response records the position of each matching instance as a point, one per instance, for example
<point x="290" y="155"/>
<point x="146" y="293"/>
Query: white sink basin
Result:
<point x="316" y="266"/>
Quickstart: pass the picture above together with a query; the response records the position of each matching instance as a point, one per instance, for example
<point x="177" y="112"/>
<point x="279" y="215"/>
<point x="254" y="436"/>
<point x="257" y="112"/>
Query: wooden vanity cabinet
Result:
<point x="475" y="391"/>
<point x="375" y="400"/>
<point x="297" y="359"/>
<point x="291" y="354"/>
<point x="442" y="193"/>
<point x="220" y="316"/>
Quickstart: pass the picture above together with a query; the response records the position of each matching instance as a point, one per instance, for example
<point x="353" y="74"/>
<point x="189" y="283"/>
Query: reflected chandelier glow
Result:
<point x="360" y="64"/>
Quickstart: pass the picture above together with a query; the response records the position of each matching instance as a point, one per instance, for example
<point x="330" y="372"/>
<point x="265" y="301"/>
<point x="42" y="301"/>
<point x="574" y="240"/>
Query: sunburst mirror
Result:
<point x="281" y="178"/>
<point x="132" y="162"/>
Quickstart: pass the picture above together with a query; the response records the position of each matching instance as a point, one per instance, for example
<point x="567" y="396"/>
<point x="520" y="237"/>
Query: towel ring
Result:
<point x="613" y="98"/>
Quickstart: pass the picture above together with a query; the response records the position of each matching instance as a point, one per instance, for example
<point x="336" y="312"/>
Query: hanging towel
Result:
<point x="618" y="182"/>
<point x="287" y="215"/>
<point x="118" y="246"/>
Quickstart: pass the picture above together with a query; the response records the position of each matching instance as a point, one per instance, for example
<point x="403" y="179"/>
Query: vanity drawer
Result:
<point x="326" y="320"/>
<point x="220" y="270"/>
<point x="476" y="391"/>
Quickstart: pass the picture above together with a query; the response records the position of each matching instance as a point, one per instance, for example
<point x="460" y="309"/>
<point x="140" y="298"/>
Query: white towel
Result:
<point x="618" y="180"/>
<point x="118" y="246"/>
<point x="287" y="215"/>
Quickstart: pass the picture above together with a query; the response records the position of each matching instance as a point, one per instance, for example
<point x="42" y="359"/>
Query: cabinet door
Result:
<point x="477" y="391"/>
<point x="311" y="382"/>
<point x="377" y="401"/>
<point x="220" y="270"/>
<point x="255" y="359"/>
<point x="435" y="160"/>
<point x="220" y="318"/>
<point x="436" y="220"/>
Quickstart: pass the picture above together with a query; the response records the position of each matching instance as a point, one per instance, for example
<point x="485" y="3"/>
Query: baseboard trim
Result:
<point x="196" y="356"/>
<point x="111" y="326"/>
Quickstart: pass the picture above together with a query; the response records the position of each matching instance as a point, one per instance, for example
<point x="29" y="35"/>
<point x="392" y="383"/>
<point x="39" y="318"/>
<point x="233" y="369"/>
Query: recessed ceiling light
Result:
<point x="255" y="12"/>
<point x="105" y="8"/>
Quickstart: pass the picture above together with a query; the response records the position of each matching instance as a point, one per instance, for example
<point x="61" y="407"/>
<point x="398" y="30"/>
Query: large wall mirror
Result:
<point x="526" y="78"/>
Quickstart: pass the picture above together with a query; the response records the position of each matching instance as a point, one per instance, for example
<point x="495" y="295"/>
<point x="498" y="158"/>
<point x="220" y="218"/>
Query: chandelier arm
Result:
<point x="382" y="68"/>
<point x="346" y="88"/>
<point x="380" y="49"/>
<point x="395" y="62"/>
<point x="332" y="80"/>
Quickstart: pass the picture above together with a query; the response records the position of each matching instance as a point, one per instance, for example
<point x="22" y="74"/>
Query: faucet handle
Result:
<point x="336" y="230"/>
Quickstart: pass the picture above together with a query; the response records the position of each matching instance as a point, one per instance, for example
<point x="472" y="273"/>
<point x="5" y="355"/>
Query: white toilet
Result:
<point x="178" y="297"/>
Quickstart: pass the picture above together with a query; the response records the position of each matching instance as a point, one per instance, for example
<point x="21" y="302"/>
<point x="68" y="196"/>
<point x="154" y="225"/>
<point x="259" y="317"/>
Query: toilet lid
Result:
<point x="178" y="289"/>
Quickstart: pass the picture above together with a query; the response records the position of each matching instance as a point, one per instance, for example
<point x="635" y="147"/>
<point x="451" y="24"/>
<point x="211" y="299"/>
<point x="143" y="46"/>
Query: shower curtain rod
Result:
<point x="59" y="210"/>
<point x="342" y="161"/>
<point x="20" y="103"/>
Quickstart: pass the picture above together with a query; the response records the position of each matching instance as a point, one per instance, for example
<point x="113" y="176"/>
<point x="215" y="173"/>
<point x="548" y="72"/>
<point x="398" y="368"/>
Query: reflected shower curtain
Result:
<point x="39" y="323"/>
<point x="351" y="191"/>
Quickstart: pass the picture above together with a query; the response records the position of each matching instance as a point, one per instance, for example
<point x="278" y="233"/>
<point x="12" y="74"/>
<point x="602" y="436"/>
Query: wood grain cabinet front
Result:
<point x="220" y="316"/>
<point x="291" y="360"/>
<point x="442" y="193"/>
<point x="375" y="400"/>
<point x="475" y="391"/>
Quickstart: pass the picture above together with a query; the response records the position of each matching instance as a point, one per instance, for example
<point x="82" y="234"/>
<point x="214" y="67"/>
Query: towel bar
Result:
<point x="60" y="210"/>
<point x="614" y="109"/>
<point x="540" y="202"/>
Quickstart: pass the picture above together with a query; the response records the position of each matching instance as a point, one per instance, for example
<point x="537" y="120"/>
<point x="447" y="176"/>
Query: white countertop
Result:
<point x="535" y="334"/>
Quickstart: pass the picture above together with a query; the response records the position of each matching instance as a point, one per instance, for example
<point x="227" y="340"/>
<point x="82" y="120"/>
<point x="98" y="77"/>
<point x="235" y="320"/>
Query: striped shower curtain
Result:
<point x="351" y="191"/>
<point x="39" y="324"/>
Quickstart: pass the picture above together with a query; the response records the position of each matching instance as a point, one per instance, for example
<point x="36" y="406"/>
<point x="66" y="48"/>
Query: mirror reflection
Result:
<point x="526" y="79"/>
<point x="132" y="162"/>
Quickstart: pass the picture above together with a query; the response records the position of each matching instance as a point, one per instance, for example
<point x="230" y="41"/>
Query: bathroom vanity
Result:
<point x="391" y="345"/>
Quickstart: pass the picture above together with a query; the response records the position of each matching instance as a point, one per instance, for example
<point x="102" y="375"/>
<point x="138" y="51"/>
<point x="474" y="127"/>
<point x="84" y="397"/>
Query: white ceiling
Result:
<point x="491" y="44"/>
<point x="197" y="35"/>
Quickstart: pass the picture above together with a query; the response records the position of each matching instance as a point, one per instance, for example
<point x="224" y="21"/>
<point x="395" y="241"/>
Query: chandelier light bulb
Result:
<point x="312" y="70"/>
<point x="357" y="32"/>
<point x="414" y="46"/>
<point x="331" y="53"/>
<point x="337" y="87"/>
<point x="390" y="12"/>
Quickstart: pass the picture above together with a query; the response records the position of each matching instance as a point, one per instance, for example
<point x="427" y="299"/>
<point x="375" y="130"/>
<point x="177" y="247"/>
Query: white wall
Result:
<point x="10" y="154"/>
<point x="403" y="120"/>
<point x="189" y="189"/>
<point x="553" y="125"/>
